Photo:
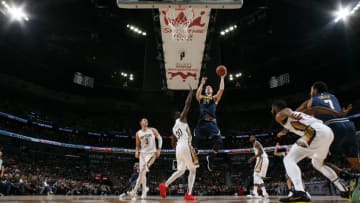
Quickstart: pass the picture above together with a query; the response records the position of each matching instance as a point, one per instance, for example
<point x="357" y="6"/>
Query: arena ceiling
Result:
<point x="90" y="36"/>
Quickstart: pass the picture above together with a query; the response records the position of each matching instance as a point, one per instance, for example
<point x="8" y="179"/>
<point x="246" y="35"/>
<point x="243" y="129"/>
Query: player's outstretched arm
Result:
<point x="185" y="111"/>
<point x="221" y="89"/>
<point x="303" y="106"/>
<point x="200" y="89"/>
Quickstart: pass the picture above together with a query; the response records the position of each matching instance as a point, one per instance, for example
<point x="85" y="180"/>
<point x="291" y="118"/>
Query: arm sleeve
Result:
<point x="159" y="139"/>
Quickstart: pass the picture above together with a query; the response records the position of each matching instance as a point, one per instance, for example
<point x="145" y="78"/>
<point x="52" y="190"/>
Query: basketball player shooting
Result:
<point x="185" y="154"/>
<point x="207" y="127"/>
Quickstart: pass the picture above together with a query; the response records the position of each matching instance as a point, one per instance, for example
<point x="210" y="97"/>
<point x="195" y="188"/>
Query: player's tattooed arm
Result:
<point x="185" y="111"/>
<point x="303" y="106"/>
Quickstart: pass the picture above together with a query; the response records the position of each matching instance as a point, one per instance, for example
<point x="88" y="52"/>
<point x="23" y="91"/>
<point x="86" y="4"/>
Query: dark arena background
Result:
<point x="76" y="77"/>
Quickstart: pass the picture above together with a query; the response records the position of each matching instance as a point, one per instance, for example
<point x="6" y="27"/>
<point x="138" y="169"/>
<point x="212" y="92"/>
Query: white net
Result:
<point x="179" y="20"/>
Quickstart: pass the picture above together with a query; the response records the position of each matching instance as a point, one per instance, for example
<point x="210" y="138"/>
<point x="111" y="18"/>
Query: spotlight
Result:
<point x="16" y="13"/>
<point x="231" y="28"/>
<point x="222" y="33"/>
<point x="235" y="26"/>
<point x="144" y="33"/>
<point x="127" y="25"/>
<point x="342" y="14"/>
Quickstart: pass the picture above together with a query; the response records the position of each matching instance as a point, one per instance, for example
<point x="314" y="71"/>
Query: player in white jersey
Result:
<point x="185" y="154"/>
<point x="261" y="167"/>
<point x="314" y="142"/>
<point x="147" y="152"/>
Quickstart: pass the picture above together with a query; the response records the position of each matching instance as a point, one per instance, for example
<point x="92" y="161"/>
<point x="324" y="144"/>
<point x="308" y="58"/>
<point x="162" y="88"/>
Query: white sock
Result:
<point x="263" y="190"/>
<point x="142" y="174"/>
<point x="255" y="190"/>
<point x="143" y="183"/>
<point x="340" y="186"/>
<point x="191" y="180"/>
<point x="174" y="176"/>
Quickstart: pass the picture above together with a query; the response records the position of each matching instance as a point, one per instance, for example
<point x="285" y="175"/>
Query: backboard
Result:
<point x="214" y="4"/>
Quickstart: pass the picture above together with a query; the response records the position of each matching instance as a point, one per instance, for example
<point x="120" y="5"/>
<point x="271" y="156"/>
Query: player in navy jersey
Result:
<point x="207" y="127"/>
<point x="345" y="140"/>
<point x="132" y="181"/>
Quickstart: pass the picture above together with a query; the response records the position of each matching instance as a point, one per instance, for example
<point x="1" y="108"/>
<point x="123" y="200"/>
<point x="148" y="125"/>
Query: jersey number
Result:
<point x="331" y="105"/>
<point x="179" y="133"/>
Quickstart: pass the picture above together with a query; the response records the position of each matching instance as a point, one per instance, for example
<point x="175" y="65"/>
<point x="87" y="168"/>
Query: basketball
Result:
<point x="221" y="70"/>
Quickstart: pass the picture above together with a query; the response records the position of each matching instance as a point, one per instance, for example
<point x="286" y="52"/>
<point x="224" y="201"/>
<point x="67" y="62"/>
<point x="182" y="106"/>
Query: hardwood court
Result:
<point x="153" y="199"/>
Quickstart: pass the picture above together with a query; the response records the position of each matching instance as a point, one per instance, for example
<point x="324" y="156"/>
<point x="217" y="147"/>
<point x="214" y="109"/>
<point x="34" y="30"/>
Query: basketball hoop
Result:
<point x="179" y="20"/>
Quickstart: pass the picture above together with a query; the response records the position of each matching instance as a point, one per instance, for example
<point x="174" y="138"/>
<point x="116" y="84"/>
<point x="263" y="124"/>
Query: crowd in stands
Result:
<point x="33" y="168"/>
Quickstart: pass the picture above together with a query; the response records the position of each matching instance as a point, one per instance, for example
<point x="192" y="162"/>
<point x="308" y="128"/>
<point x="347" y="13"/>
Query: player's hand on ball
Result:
<point x="157" y="152"/>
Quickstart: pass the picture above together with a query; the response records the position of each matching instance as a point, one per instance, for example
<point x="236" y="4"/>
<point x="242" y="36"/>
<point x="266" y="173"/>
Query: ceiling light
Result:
<point x="342" y="14"/>
<point x="16" y="13"/>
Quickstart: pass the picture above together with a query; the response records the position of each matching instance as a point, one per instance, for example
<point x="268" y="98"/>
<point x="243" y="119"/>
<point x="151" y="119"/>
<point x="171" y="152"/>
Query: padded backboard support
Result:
<point x="214" y="4"/>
